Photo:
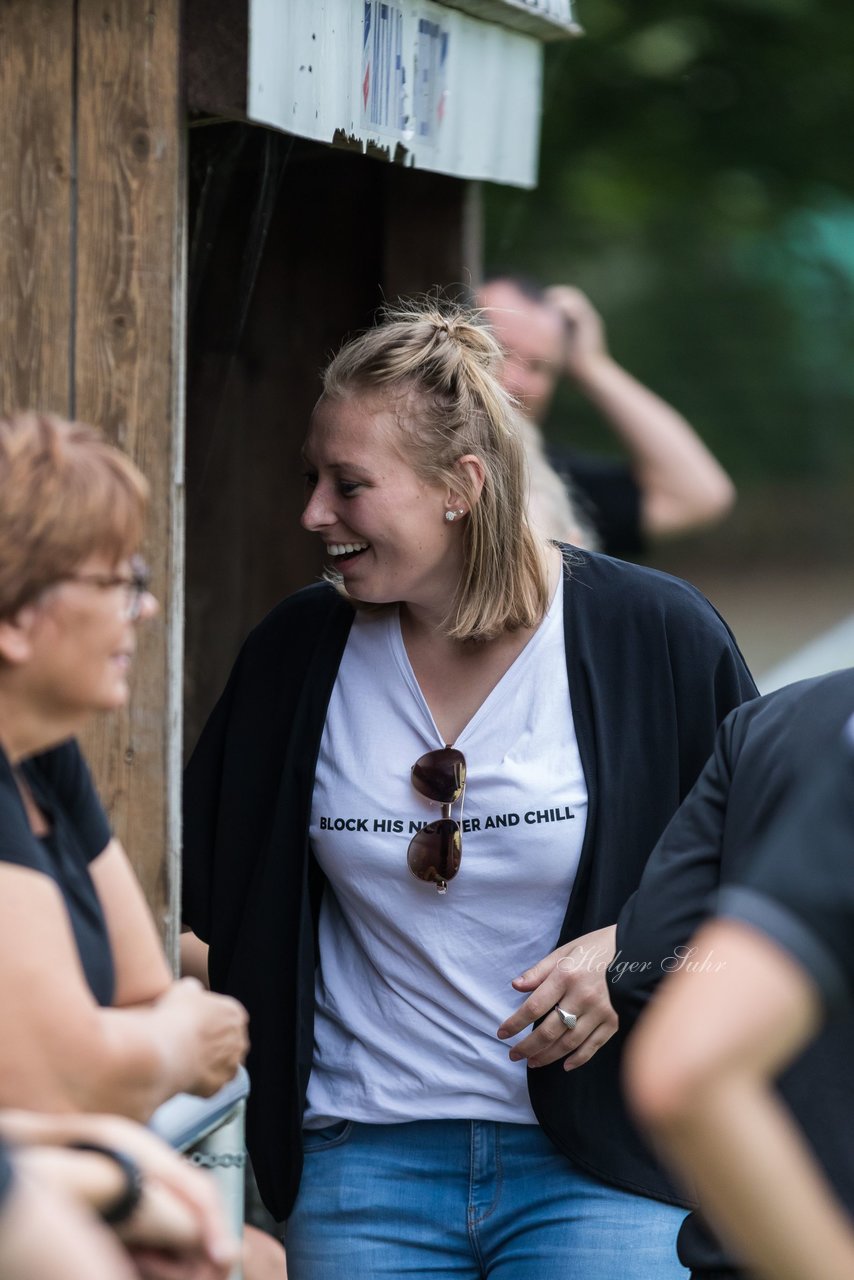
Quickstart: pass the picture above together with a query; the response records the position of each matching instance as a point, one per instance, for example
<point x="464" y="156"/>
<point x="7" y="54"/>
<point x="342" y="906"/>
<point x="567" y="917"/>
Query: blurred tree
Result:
<point x="697" y="179"/>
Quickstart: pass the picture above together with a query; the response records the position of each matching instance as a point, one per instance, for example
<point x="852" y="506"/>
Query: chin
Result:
<point x="378" y="599"/>
<point x="115" y="698"/>
<point x="364" y="592"/>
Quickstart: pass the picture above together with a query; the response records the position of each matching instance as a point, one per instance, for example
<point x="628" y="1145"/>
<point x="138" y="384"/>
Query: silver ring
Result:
<point x="568" y="1019"/>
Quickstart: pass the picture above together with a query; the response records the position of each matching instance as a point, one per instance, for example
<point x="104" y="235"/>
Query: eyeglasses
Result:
<point x="434" y="852"/>
<point x="135" y="584"/>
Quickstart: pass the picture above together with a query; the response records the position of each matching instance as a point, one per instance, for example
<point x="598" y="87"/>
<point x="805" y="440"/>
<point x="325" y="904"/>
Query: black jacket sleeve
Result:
<point x="676" y="888"/>
<point x="798" y="888"/>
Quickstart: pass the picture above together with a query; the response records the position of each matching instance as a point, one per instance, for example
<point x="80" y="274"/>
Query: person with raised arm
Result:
<point x="668" y="483"/>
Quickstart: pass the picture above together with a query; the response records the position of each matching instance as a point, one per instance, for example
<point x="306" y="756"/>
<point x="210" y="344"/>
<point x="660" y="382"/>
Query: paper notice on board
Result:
<point x="383" y="69"/>
<point x="431" y="79"/>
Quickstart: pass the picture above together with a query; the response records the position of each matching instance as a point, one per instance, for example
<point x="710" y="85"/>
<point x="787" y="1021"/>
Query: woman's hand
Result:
<point x="575" y="976"/>
<point x="212" y="1031"/>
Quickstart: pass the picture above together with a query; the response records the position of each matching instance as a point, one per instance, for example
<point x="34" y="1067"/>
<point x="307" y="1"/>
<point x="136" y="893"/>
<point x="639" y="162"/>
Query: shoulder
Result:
<point x="297" y="620"/>
<point x="64" y="768"/>
<point x="17" y="842"/>
<point x="795" y="719"/>
<point x="62" y="776"/>
<point x="300" y="638"/>
<point x="16" y="836"/>
<point x="292" y="635"/>
<point x="653" y="637"/>
<point x="599" y="582"/>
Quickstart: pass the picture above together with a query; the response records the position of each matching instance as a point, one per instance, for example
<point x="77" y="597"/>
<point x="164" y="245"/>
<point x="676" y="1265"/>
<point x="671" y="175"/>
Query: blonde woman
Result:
<point x="569" y="701"/>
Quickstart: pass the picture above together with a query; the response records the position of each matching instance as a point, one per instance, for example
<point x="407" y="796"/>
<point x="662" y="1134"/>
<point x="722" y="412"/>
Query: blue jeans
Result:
<point x="470" y="1199"/>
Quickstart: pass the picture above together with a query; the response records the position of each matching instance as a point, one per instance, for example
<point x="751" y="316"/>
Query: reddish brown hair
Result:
<point x="65" y="494"/>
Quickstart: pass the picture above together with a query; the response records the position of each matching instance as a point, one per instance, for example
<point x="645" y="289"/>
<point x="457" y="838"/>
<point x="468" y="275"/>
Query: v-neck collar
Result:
<point x="507" y="681"/>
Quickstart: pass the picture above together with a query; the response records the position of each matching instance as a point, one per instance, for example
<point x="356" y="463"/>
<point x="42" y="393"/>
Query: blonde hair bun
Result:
<point x="439" y="363"/>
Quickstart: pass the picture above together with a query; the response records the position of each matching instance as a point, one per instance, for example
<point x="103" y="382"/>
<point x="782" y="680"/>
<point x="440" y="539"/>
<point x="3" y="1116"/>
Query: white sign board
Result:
<point x="548" y="19"/>
<point x="417" y="82"/>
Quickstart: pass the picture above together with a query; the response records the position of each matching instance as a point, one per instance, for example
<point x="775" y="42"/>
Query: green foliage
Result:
<point x="697" y="179"/>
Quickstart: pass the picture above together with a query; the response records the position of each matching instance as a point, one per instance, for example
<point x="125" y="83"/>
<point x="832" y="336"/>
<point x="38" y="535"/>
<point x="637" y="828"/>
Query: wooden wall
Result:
<point x="293" y="247"/>
<point x="92" y="211"/>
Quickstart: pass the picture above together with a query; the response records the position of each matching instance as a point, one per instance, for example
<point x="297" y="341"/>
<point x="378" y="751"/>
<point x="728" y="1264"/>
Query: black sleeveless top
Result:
<point x="79" y="831"/>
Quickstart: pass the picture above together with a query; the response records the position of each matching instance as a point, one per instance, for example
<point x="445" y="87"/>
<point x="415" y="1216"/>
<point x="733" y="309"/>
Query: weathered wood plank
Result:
<point x="259" y="335"/>
<point x="36" y="49"/>
<point x="424" y="240"/>
<point x="216" y="57"/>
<point x="129" y="380"/>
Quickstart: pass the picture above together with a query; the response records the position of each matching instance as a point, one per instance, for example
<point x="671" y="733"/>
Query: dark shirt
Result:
<point x="799" y="889"/>
<point x="7" y="1177"/>
<point x="79" y="831"/>
<point x="762" y="754"/>
<point x="607" y="493"/>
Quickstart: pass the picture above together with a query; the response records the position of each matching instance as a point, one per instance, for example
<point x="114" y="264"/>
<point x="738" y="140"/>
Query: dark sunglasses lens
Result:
<point x="440" y="775"/>
<point x="434" y="852"/>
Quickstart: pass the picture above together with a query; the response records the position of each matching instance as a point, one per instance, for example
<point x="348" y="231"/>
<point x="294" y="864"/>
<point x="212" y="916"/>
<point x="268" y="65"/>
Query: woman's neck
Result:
<point x="456" y="676"/>
<point x="25" y="731"/>
<point x="426" y="622"/>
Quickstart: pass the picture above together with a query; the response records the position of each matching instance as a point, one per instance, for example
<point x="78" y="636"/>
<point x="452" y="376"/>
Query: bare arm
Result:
<point x="180" y="1210"/>
<point x="73" y="1247"/>
<point x="172" y="1183"/>
<point x="142" y="973"/>
<point x="682" y="484"/>
<point x="194" y="958"/>
<point x="699" y="1072"/>
<point x="68" y="1053"/>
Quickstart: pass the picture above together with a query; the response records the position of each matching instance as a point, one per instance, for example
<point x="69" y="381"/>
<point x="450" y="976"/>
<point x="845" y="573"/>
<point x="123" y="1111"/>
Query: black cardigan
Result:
<point x="652" y="669"/>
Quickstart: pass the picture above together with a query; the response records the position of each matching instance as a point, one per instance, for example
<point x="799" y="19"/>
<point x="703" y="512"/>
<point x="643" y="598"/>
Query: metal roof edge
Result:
<point x="546" y="19"/>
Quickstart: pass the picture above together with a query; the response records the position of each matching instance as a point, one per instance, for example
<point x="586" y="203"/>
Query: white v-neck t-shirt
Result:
<point x="412" y="985"/>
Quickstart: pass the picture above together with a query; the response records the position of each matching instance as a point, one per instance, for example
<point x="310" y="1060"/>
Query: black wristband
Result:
<point x="128" y="1199"/>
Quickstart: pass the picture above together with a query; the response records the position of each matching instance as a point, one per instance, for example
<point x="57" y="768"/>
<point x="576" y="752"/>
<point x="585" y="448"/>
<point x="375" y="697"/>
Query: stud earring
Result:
<point x="452" y="515"/>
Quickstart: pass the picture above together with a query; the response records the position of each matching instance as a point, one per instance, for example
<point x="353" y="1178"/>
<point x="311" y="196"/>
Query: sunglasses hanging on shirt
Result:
<point x="434" y="852"/>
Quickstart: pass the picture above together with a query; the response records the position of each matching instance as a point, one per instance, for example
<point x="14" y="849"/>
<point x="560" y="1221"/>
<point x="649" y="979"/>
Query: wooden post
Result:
<point x="92" y="214"/>
<point x="36" y="94"/>
<point x="128" y="326"/>
<point x="427" y="239"/>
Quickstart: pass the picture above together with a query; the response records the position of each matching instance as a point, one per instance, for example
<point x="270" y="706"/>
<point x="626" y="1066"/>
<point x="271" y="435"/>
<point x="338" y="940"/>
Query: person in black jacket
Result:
<point x="425" y="791"/>
<point x="709" y="853"/>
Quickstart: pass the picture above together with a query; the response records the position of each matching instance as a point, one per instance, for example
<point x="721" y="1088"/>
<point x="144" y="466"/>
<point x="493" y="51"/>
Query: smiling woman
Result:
<point x="404" y="964"/>
<point x="99" y="1023"/>
<point x="382" y="526"/>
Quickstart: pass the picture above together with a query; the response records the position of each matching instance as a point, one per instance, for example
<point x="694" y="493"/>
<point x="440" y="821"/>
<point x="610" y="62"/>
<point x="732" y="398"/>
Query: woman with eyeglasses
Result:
<point x="410" y="824"/>
<point x="92" y="1019"/>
